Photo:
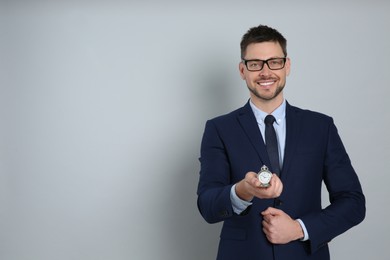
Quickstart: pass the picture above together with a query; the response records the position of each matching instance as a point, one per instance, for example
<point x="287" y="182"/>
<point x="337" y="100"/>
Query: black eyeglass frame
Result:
<point x="264" y="62"/>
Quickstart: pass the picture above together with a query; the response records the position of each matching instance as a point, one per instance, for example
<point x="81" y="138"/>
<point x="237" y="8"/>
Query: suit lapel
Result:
<point x="293" y="123"/>
<point x="249" y="124"/>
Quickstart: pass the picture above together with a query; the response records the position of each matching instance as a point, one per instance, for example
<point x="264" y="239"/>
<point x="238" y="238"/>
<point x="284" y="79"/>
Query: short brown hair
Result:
<point x="262" y="33"/>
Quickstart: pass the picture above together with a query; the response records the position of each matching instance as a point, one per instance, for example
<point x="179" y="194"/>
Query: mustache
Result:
<point x="267" y="78"/>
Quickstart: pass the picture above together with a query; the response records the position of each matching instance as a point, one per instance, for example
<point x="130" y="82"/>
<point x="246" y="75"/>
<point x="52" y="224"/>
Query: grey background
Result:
<point x="103" y="105"/>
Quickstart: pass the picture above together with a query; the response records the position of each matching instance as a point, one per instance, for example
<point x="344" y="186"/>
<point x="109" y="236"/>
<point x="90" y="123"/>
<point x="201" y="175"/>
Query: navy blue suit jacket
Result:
<point x="232" y="145"/>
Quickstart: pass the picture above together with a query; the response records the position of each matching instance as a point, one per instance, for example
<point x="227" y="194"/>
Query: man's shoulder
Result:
<point x="306" y="113"/>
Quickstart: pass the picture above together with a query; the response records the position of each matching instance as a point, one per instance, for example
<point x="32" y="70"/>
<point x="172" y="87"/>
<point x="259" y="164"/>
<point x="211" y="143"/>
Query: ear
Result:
<point x="241" y="68"/>
<point x="288" y="66"/>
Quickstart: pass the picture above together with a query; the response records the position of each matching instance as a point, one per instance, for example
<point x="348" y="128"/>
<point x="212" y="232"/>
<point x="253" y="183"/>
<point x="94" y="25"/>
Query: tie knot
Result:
<point x="269" y="120"/>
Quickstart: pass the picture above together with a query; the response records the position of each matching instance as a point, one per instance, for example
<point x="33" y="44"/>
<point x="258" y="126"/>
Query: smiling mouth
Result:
<point x="266" y="84"/>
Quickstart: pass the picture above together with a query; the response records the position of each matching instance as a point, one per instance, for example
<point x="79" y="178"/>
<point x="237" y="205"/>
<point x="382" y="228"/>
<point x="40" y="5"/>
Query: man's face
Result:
<point x="266" y="84"/>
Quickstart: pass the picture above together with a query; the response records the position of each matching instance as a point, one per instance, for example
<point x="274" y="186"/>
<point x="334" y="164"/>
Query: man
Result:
<point x="282" y="219"/>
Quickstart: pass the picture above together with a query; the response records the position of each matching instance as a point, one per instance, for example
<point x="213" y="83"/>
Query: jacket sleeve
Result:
<point x="347" y="202"/>
<point x="214" y="180"/>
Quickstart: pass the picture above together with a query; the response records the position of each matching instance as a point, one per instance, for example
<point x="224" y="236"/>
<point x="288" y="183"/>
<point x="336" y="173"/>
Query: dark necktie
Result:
<point x="272" y="144"/>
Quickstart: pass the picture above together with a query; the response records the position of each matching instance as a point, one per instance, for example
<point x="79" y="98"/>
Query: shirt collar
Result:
<point x="279" y="113"/>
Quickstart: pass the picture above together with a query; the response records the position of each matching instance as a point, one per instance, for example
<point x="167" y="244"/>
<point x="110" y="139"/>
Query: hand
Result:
<point x="279" y="227"/>
<point x="250" y="187"/>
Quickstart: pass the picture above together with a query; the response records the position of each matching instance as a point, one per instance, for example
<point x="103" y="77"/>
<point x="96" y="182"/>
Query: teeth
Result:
<point x="266" y="83"/>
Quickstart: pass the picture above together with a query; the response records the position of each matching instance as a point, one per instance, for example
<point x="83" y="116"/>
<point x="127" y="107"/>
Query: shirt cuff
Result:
<point x="305" y="233"/>
<point x="238" y="204"/>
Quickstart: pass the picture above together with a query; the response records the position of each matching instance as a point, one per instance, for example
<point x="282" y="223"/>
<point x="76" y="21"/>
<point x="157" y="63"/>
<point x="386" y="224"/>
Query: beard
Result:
<point x="268" y="97"/>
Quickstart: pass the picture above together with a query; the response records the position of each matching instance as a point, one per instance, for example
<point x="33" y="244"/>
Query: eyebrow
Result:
<point x="266" y="59"/>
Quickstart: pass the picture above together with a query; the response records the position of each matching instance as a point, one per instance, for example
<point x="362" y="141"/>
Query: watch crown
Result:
<point x="264" y="168"/>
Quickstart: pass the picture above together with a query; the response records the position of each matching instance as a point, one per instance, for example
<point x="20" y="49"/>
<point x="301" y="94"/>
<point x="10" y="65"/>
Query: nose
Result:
<point x="265" y="70"/>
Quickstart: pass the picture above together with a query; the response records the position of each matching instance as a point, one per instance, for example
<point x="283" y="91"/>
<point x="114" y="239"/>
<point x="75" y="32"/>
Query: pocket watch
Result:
<point x="264" y="176"/>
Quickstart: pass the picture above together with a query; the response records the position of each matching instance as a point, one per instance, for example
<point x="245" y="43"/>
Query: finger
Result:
<point x="250" y="175"/>
<point x="266" y="227"/>
<point x="266" y="231"/>
<point x="267" y="219"/>
<point x="266" y="212"/>
<point x="255" y="182"/>
<point x="278" y="185"/>
<point x="252" y="179"/>
<point x="271" y="211"/>
<point x="278" y="188"/>
<point x="275" y="179"/>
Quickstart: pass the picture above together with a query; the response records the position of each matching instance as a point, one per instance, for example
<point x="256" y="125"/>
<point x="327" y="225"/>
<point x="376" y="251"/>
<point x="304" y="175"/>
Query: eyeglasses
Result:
<point x="257" y="65"/>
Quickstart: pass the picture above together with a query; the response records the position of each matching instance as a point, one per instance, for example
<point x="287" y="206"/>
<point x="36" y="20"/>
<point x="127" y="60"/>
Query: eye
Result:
<point x="254" y="64"/>
<point x="275" y="62"/>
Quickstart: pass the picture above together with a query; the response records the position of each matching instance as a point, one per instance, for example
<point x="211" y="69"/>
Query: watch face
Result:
<point x="264" y="177"/>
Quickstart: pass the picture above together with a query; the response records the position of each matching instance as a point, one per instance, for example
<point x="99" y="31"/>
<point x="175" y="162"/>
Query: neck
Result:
<point x="268" y="106"/>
